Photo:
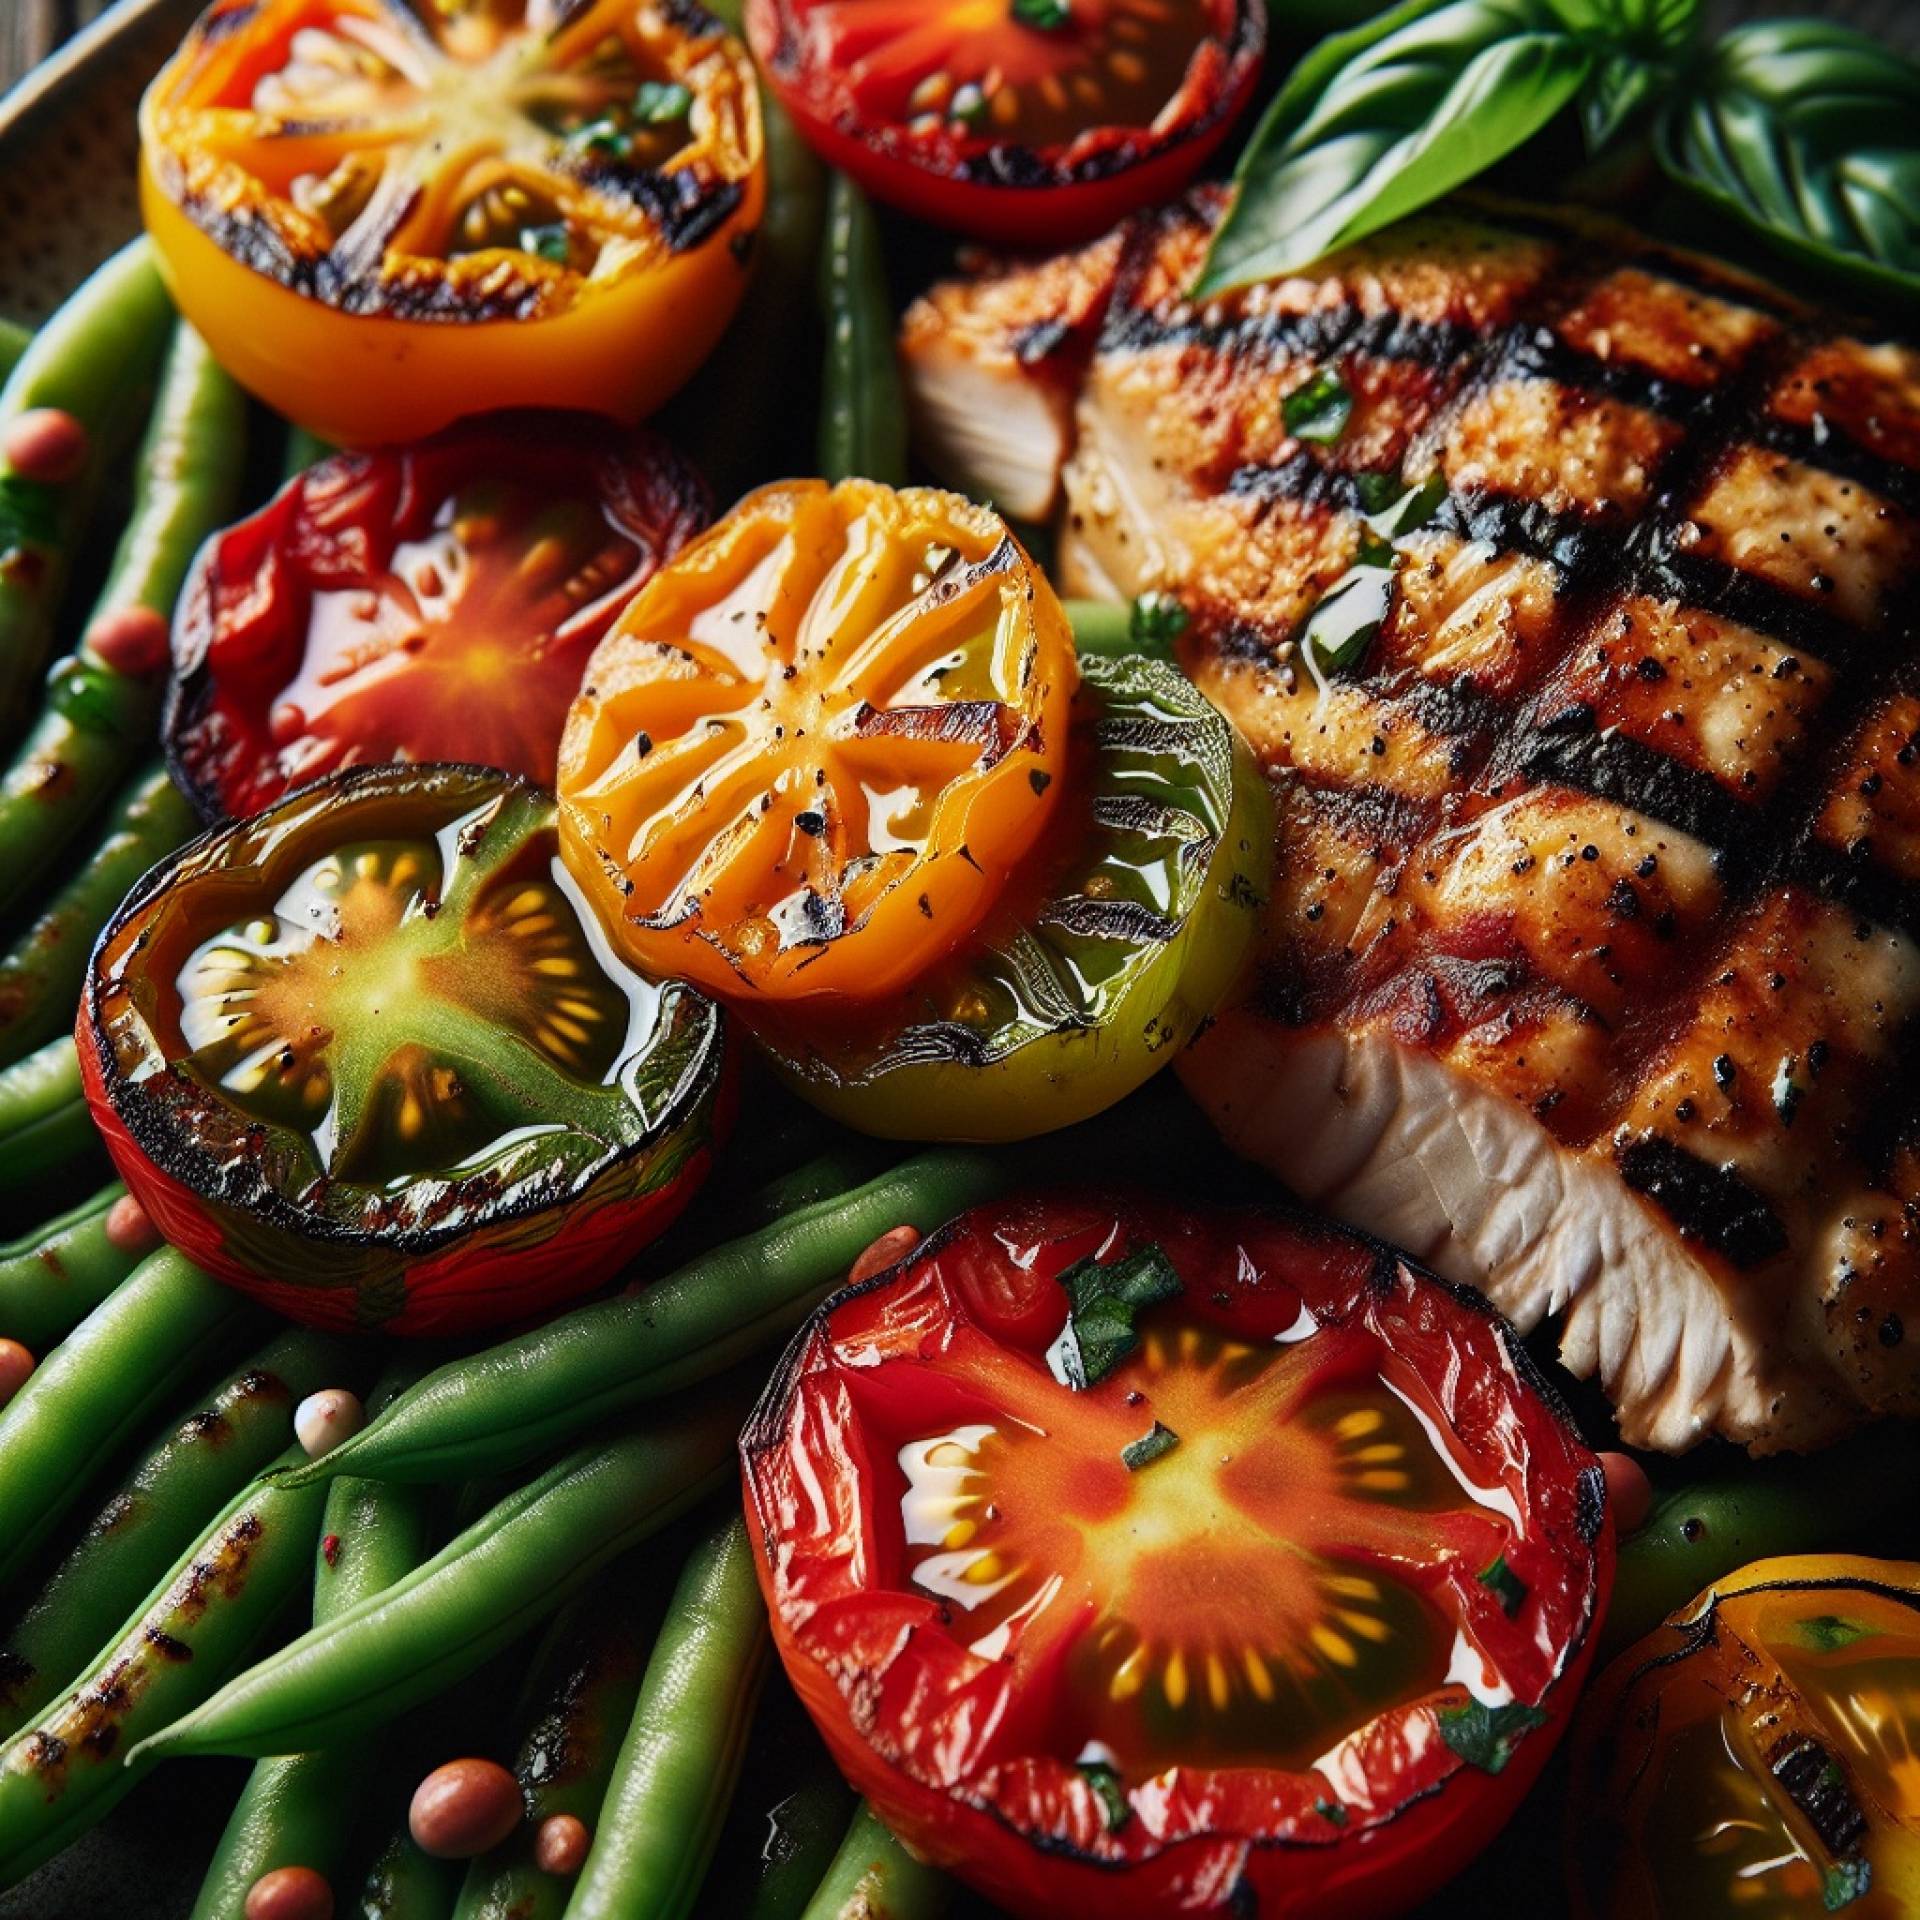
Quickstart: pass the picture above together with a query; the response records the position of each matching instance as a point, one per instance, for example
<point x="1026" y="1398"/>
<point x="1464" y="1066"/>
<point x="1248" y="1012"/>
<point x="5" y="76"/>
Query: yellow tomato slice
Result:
<point x="384" y="217"/>
<point x="814" y="747"/>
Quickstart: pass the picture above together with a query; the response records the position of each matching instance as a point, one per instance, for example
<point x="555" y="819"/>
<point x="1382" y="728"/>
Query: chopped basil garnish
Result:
<point x="549" y="242"/>
<point x="1158" y="1439"/>
<point x="1320" y="410"/>
<point x="1485" y="1736"/>
<point x="1155" y="622"/>
<point x="660" y="103"/>
<point x="1844" y="1883"/>
<point x="1115" y="1808"/>
<point x="602" y="136"/>
<point x="1505" y="1584"/>
<point x="1331" y="1810"/>
<point x="1103" y="1305"/>
<point x="1047" y="15"/>
<point x="1352" y="611"/>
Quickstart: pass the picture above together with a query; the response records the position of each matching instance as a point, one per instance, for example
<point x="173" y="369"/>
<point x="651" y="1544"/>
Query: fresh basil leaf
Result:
<point x="1319" y="408"/>
<point x="1810" y="134"/>
<point x="1622" y="88"/>
<point x="1103" y="1304"/>
<point x="1844" y="1883"/>
<point x="661" y="103"/>
<point x="1157" y="1440"/>
<point x="1485" y="1736"/>
<point x="550" y="242"/>
<point x="1379" y="122"/>
<point x="1048" y="16"/>
<point x="1331" y="1810"/>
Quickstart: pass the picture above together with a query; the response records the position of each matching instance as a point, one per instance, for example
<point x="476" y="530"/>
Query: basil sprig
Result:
<point x="1807" y="132"/>
<point x="1810" y="133"/>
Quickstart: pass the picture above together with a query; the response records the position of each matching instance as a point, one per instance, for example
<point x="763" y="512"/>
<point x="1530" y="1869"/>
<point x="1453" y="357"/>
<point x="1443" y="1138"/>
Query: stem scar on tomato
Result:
<point x="1132" y="1559"/>
<point x="368" y="1056"/>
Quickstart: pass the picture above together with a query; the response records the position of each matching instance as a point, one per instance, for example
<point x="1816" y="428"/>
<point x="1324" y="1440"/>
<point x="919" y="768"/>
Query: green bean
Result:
<point x="508" y="1404"/>
<point x="677" y="1767"/>
<point x="45" y="1128"/>
<point x="804" y="1832"/>
<point x="505" y="1573"/>
<point x="95" y="359"/>
<point x="40" y="975"/>
<point x="873" y="1877"/>
<point x="297" y="1810"/>
<point x="14" y="341"/>
<point x="581" y="1696"/>
<point x="406" y="1884"/>
<point x="863" y="409"/>
<point x="59" y="1777"/>
<point x="1859" y="1496"/>
<point x="53" y="1277"/>
<point x="202" y="1461"/>
<point x="736" y="417"/>
<point x="98" y="722"/>
<point x="97" y="1389"/>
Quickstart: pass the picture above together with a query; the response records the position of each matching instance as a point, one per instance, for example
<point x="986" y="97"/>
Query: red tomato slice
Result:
<point x="1026" y="122"/>
<point x="435" y="602"/>
<point x="1286" y="1603"/>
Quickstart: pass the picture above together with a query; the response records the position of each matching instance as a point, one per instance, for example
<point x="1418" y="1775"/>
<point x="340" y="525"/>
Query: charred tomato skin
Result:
<point x="248" y="624"/>
<point x="459" y="1254"/>
<point x="1247" y="1839"/>
<point x="1001" y="190"/>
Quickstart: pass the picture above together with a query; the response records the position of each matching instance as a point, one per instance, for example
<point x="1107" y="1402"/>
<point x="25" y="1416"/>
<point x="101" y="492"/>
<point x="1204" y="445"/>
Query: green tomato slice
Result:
<point x="1135" y="926"/>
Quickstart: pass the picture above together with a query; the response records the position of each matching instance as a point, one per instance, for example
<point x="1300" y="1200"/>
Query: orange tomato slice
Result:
<point x="814" y="747"/>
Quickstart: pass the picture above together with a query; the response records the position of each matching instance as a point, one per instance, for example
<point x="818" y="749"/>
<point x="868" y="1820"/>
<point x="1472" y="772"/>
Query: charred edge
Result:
<point x="1612" y="766"/>
<point x="1837" y="451"/>
<point x="1318" y="333"/>
<point x="1581" y="548"/>
<point x="686" y="205"/>
<point x="1815" y="1782"/>
<point x="1590" y="1508"/>
<point x="1749" y="601"/>
<point x="1850" y="877"/>
<point x="1713" y="1205"/>
<point x="1540" y="353"/>
<point x="1301" y="479"/>
<point x="1460" y="708"/>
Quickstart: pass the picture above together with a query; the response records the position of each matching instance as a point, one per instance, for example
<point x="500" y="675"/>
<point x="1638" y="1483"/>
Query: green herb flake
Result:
<point x="1104" y="1302"/>
<point x="1155" y="621"/>
<point x="1828" y="1632"/>
<point x="1485" y="1736"/>
<point x="602" y="136"/>
<point x="1844" y="1883"/>
<point x="1331" y="1810"/>
<point x="1048" y="16"/>
<point x="548" y="242"/>
<point x="1505" y="1584"/>
<point x="1115" y="1808"/>
<point x="661" y="103"/>
<point x="1319" y="410"/>
<point x="1157" y="1440"/>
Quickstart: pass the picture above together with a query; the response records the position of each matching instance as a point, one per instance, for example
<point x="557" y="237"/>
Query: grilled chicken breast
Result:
<point x="1583" y="657"/>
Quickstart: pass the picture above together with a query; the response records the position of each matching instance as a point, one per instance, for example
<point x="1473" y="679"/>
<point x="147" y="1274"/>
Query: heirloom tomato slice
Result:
<point x="383" y="216"/>
<point x="1025" y="122"/>
<point x="1757" y="1756"/>
<point x="1126" y="927"/>
<point x="1135" y="1561"/>
<point x="436" y="602"/>
<point x="367" y="1056"/>
<point x="817" y="743"/>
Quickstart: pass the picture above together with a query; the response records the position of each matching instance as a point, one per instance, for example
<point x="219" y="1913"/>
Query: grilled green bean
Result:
<point x="136" y="1351"/>
<point x="61" y="1775"/>
<point x="508" y="1404"/>
<point x="296" y="1810"/>
<point x="94" y="359"/>
<point x="676" y="1771"/>
<point x="581" y="1698"/>
<point x="45" y="1130"/>
<point x="406" y="1884"/>
<point x="863" y="409"/>
<point x="40" y="974"/>
<point x="505" y="1573"/>
<point x="98" y="722"/>
<point x="53" y="1277"/>
<point x="202" y="1461"/>
<point x="873" y="1877"/>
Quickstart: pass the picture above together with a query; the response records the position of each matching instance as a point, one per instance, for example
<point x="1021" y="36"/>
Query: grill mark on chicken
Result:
<point x="1618" y="820"/>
